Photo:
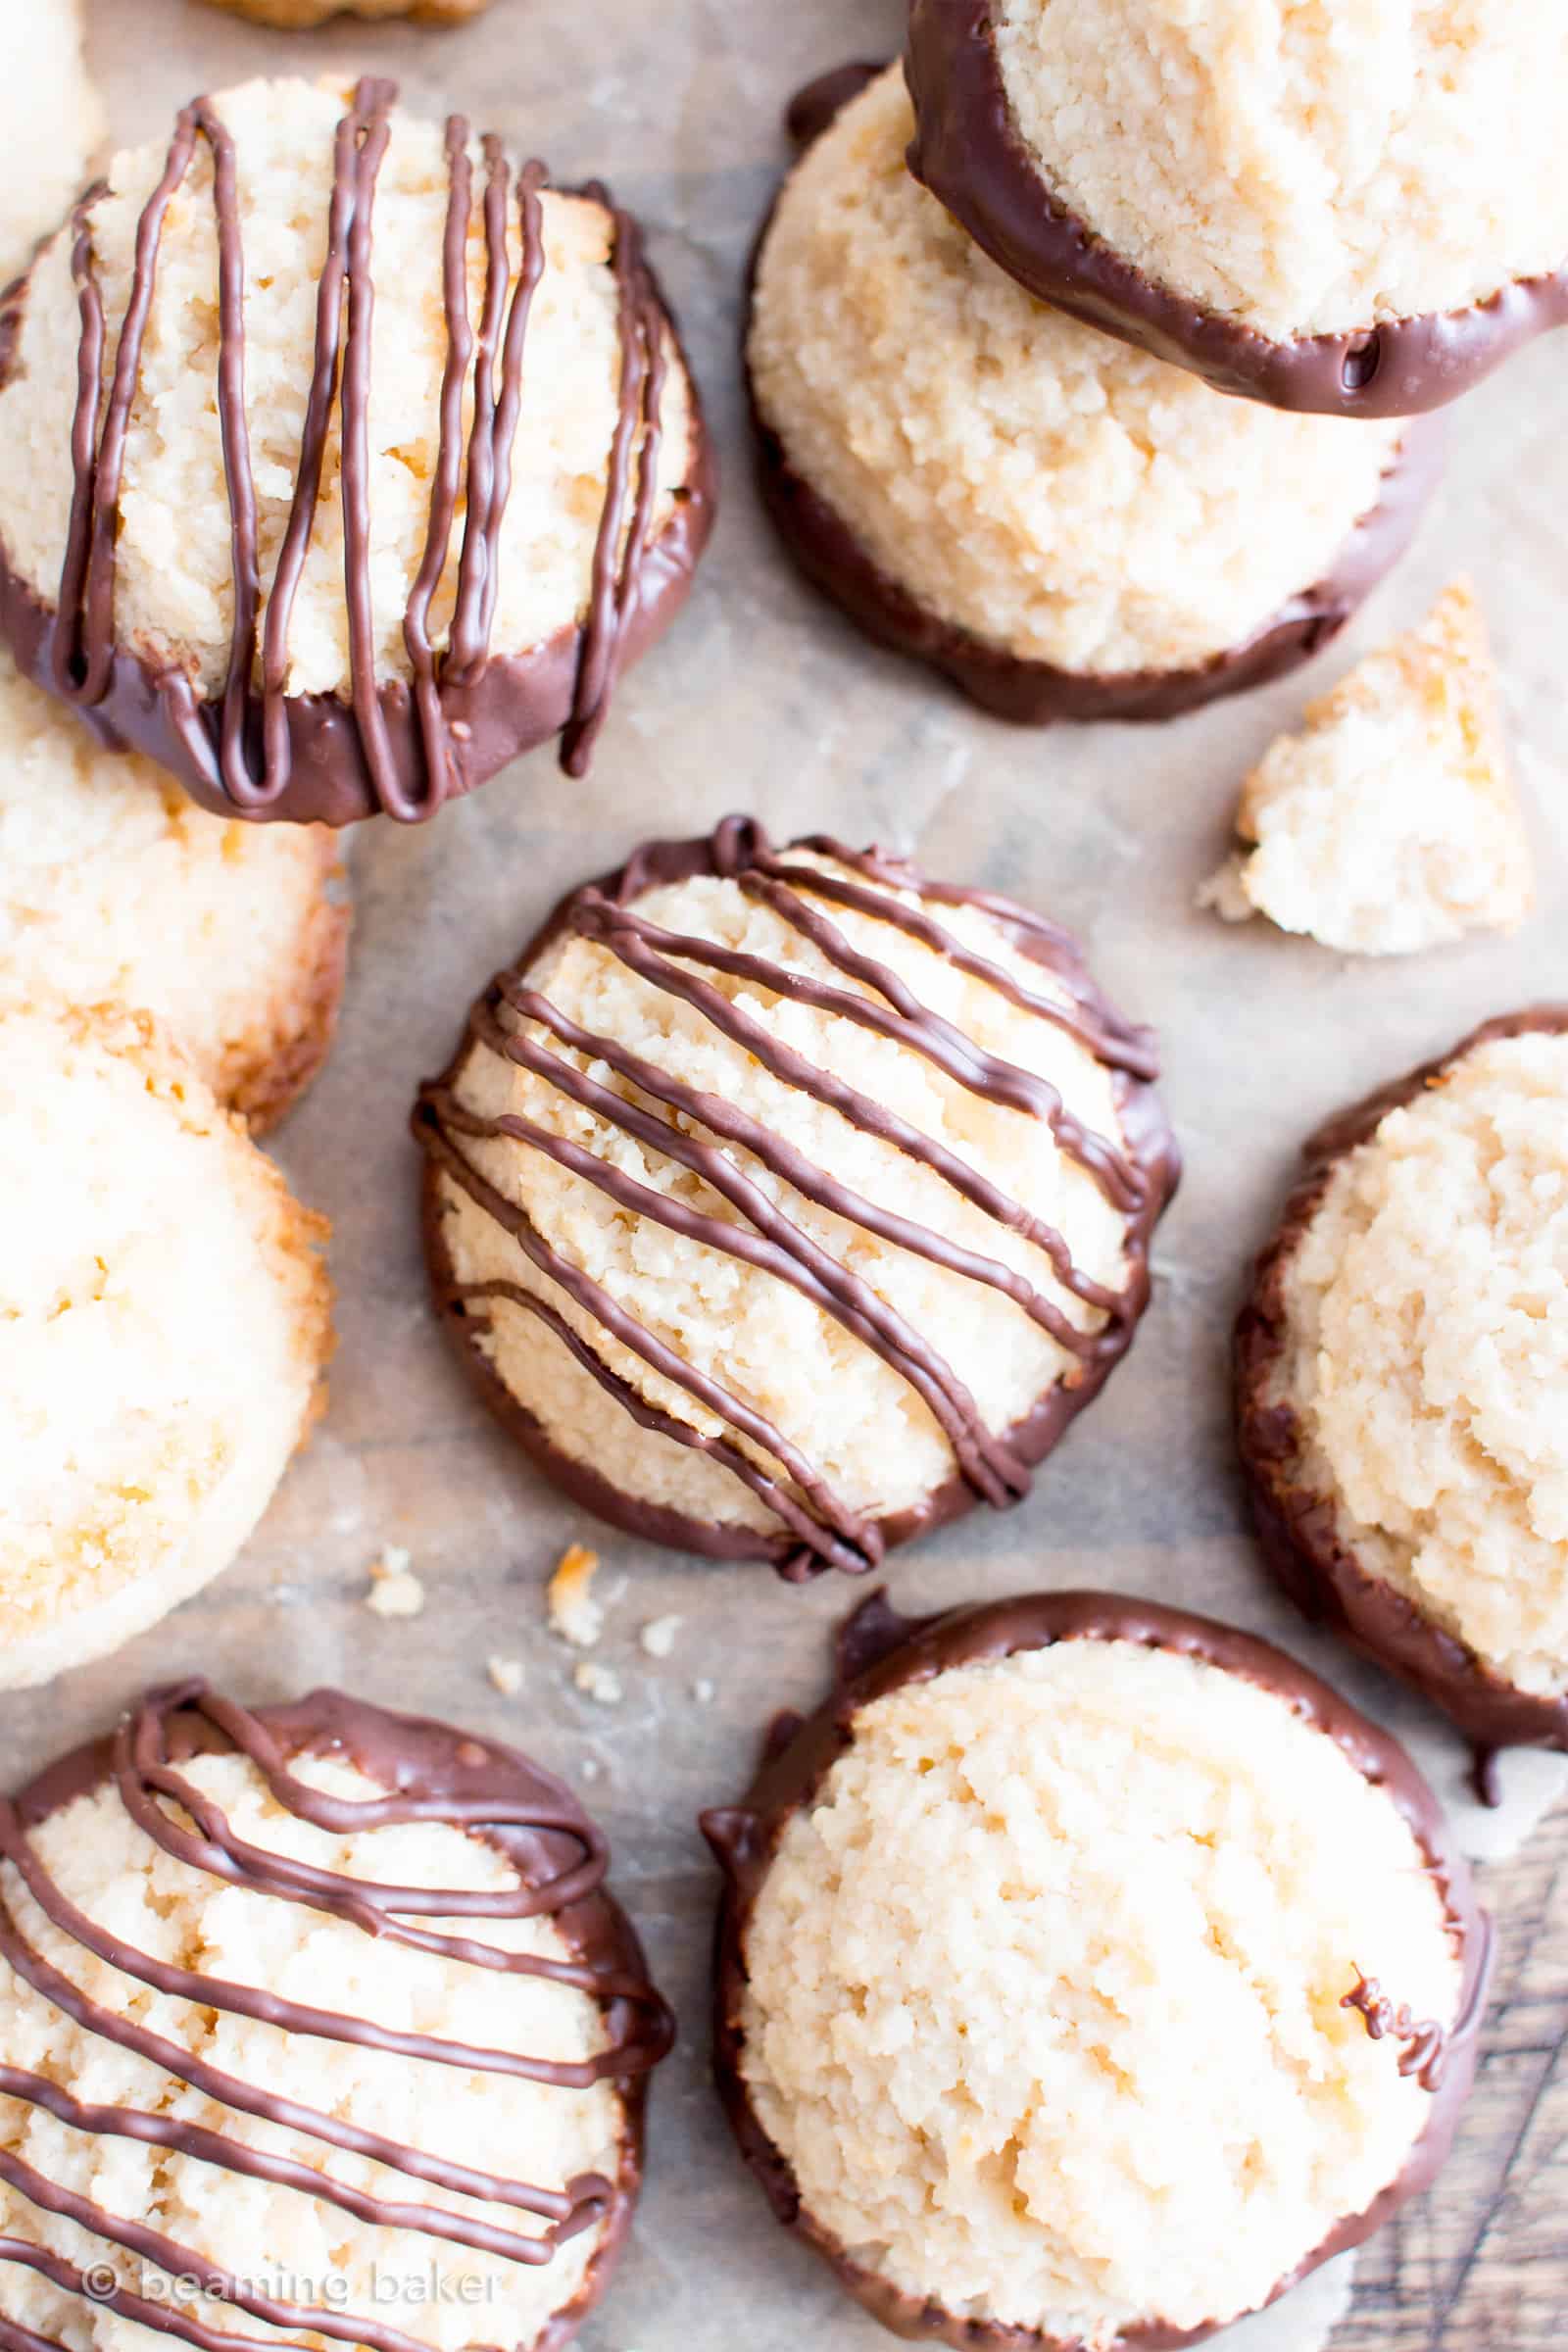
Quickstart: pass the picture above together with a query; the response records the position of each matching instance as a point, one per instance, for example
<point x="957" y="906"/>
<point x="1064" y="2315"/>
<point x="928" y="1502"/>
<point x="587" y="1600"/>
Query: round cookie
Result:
<point x="297" y="16"/>
<point x="1357" y="211"/>
<point x="786" y="1204"/>
<point x="1401" y="1361"/>
<point x="51" y="126"/>
<point x="1087" y="1974"/>
<point x="114" y="888"/>
<point x="1067" y="528"/>
<point x="355" y="2044"/>
<point x="318" y="590"/>
<point x="165" y="1317"/>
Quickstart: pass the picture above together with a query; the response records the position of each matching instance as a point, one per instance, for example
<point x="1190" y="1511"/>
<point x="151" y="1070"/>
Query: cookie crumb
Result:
<point x="1225" y="892"/>
<point x="395" y="1591"/>
<point x="599" y="1683"/>
<point x="703" y="1692"/>
<point x="506" y="1674"/>
<point x="659" y="1636"/>
<point x="573" y="1612"/>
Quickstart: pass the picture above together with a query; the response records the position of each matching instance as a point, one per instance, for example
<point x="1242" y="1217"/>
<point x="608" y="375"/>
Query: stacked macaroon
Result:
<point x="170" y="983"/>
<point x="994" y="297"/>
<point x="304" y="286"/>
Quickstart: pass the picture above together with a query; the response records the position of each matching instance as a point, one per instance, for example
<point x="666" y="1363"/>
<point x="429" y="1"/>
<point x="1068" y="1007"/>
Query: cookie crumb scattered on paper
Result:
<point x="395" y="1591"/>
<point x="506" y="1674"/>
<point x="599" y="1683"/>
<point x="573" y="1612"/>
<point x="659" y="1636"/>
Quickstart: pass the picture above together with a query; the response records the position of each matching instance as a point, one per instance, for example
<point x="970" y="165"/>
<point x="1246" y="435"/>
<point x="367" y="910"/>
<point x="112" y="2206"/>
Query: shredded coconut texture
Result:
<point x="1391" y="822"/>
<point x="1426" y="1359"/>
<point x="288" y="2244"/>
<point x="1044" y="1990"/>
<point x="114" y="887"/>
<point x="163" y="1320"/>
<point x="854" y="1416"/>
<point x="1303" y="168"/>
<point x="1024" y="477"/>
<point x="173" y="590"/>
<point x="51" y="123"/>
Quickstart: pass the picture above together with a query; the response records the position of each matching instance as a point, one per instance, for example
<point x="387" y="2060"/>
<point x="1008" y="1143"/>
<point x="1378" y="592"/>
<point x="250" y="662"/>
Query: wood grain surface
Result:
<point x="1480" y="2263"/>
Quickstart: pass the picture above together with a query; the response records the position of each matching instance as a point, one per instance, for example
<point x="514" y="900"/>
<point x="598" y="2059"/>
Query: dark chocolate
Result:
<point x="1034" y="693"/>
<point x="968" y="150"/>
<point x="430" y="1772"/>
<point x="1137" y="1174"/>
<point x="880" y="1652"/>
<point x="1297" y="1527"/>
<point x="398" y="745"/>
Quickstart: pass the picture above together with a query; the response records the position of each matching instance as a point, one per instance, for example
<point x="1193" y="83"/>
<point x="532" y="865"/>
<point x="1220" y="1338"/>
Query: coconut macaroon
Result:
<point x="785" y="1204"/>
<point x="51" y="126"/>
<point x="114" y="888"/>
<point x="1391" y="822"/>
<point x="295" y="16"/>
<point x="1358" y="211"/>
<point x="1067" y="527"/>
<point x="389" y="461"/>
<point x="1087" y="1974"/>
<point x="1402" y="1364"/>
<point x="165" y="1317"/>
<point x="311" y="2017"/>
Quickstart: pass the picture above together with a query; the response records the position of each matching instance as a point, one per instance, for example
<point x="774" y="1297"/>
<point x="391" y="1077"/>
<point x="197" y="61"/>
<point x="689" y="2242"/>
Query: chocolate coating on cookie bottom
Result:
<point x="430" y="1772"/>
<point x="1297" y="1527"/>
<point x="1032" y="692"/>
<point x="880" y="1651"/>
<point x="817" y="1530"/>
<point x="398" y="745"/>
<point x="969" y="152"/>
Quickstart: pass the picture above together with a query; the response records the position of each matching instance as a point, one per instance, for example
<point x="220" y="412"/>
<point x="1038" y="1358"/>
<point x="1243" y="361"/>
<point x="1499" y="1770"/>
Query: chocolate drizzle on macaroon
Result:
<point x="880" y="1651"/>
<point x="430" y="1774"/>
<point x="398" y="747"/>
<point x="818" y="1529"/>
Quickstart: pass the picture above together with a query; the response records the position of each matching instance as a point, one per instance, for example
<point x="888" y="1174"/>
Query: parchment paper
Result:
<point x="762" y="699"/>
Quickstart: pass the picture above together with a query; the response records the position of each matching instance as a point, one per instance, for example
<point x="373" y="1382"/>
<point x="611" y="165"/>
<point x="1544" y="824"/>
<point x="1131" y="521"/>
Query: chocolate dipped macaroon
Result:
<point x="1402" y="1364"/>
<point x="1066" y="528"/>
<point x="1356" y="211"/>
<point x="1087" y="1974"/>
<point x="316" y="2016"/>
<point x="343" y="458"/>
<point x="785" y="1203"/>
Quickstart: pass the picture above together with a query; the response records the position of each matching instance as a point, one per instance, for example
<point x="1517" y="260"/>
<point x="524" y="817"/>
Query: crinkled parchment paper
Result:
<point x="762" y="699"/>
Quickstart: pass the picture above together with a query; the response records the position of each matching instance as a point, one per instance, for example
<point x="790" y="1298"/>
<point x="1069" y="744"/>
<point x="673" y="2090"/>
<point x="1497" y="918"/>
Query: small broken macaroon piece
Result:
<point x="1327" y="209"/>
<point x="1087" y="1972"/>
<point x="1401" y="1363"/>
<point x="1390" y="822"/>
<point x="341" y="2018"/>
<point x="300" y="15"/>
<point x="116" y="888"/>
<point x="1066" y="528"/>
<point x="51" y="127"/>
<point x="361" y="461"/>
<point x="164" y="1321"/>
<point x="785" y="1203"/>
